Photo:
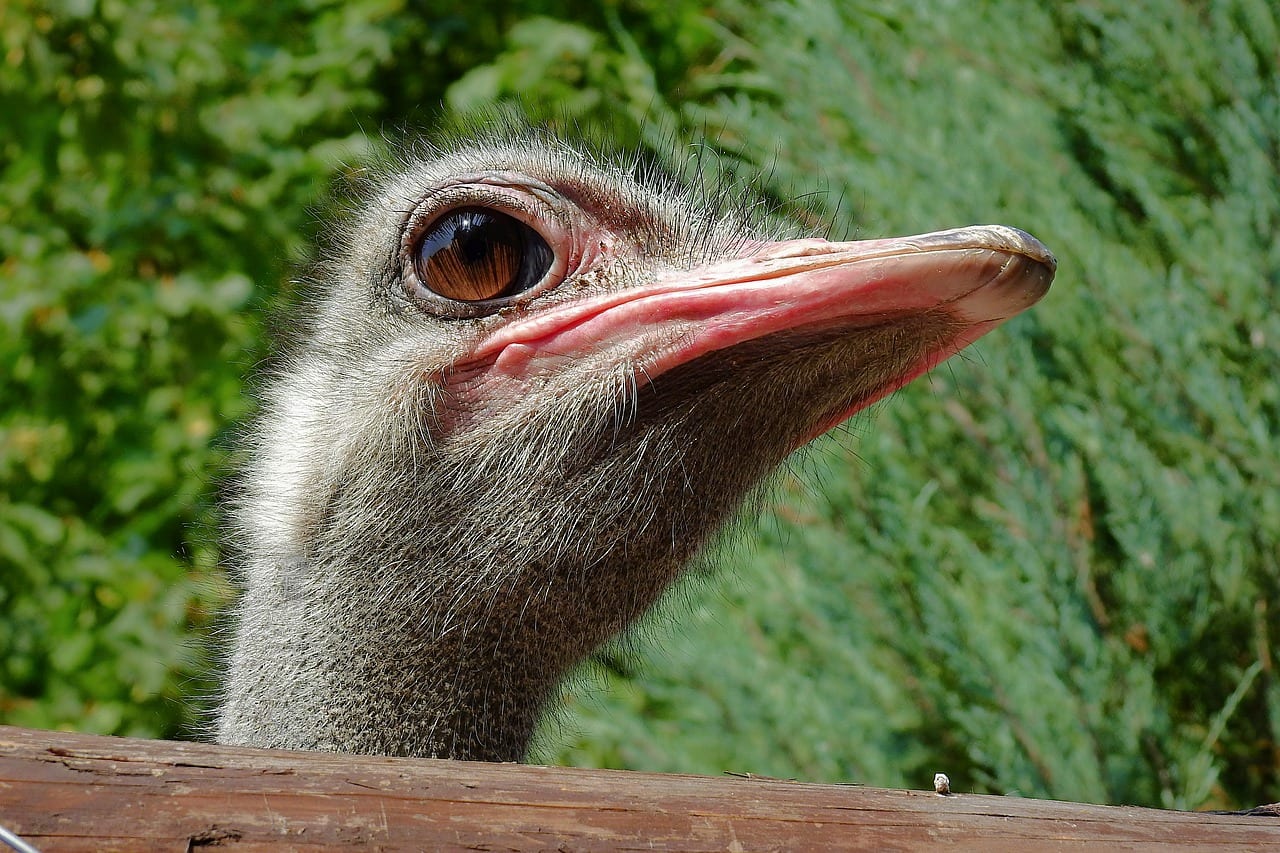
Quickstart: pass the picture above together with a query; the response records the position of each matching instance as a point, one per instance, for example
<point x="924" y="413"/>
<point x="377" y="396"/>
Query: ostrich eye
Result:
<point x="473" y="254"/>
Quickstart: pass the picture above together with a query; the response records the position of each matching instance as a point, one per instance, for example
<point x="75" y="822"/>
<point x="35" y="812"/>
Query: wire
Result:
<point x="15" y="842"/>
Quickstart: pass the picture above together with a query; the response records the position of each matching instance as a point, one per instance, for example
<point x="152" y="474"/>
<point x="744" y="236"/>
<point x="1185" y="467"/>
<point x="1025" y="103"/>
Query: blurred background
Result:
<point x="1052" y="568"/>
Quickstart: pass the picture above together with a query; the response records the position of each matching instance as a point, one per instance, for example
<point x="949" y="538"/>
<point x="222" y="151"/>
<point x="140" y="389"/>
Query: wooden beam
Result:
<point x="78" y="792"/>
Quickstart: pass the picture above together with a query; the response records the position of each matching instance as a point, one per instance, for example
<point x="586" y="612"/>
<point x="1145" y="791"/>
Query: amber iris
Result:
<point x="474" y="254"/>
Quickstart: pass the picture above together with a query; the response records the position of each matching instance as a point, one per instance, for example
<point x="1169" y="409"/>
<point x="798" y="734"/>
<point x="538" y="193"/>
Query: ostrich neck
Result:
<point x="421" y="623"/>
<point x="321" y="669"/>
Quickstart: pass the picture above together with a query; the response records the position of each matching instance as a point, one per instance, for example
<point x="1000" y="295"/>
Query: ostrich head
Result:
<point x="530" y="389"/>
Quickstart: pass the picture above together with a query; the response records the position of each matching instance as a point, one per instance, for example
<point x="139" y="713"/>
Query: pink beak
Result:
<point x="978" y="276"/>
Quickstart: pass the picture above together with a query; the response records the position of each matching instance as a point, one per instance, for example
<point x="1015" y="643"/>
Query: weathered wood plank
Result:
<point x="81" y="792"/>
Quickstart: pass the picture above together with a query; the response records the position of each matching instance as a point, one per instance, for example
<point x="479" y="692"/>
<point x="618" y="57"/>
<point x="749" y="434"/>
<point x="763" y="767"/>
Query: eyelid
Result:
<point x="530" y="202"/>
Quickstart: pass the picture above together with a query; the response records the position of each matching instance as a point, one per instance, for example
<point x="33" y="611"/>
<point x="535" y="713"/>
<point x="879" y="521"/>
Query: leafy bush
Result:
<point x="154" y="189"/>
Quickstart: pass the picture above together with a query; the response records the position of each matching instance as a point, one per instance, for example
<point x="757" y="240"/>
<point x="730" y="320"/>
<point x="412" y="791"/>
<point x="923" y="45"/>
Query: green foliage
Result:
<point x="637" y="83"/>
<point x="155" y="185"/>
<point x="1050" y="568"/>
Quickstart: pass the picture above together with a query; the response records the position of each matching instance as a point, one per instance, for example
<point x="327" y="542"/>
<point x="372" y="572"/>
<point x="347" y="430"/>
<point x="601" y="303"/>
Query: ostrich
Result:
<point x="530" y="389"/>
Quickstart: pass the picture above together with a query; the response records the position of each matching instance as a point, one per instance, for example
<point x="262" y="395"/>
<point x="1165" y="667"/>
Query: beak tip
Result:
<point x="1020" y="242"/>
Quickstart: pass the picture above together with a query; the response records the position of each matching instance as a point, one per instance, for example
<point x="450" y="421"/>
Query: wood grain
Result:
<point x="77" y="792"/>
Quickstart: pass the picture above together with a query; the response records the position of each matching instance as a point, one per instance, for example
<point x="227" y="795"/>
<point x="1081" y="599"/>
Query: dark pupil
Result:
<point x="475" y="254"/>
<point x="478" y="234"/>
